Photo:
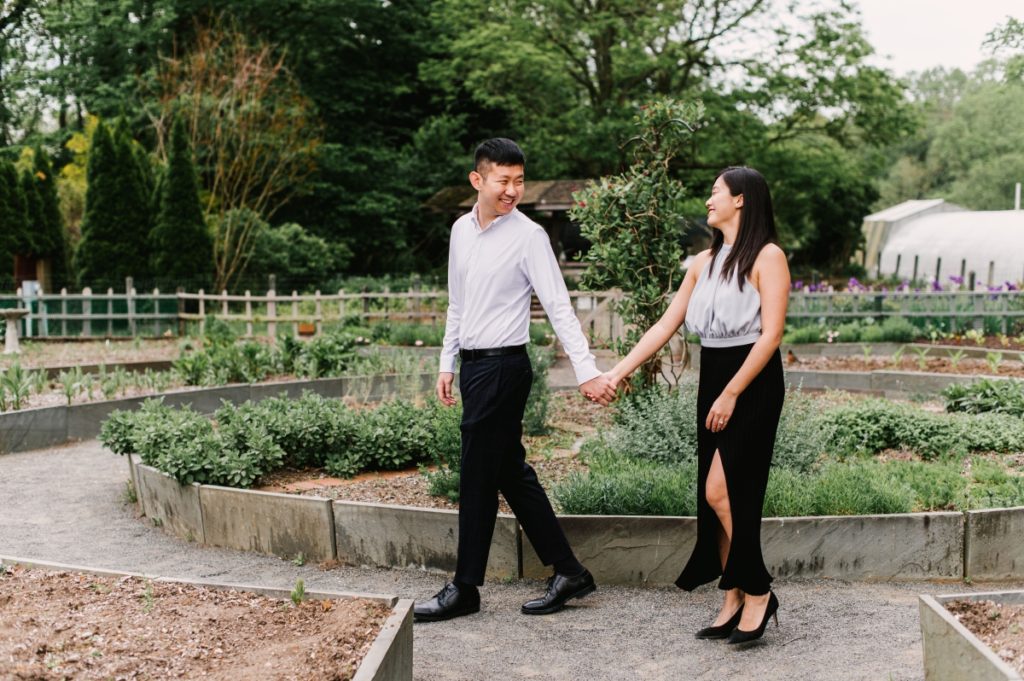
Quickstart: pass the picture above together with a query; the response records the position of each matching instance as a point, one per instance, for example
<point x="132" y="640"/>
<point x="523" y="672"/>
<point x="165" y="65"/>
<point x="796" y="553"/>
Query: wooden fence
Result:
<point x="109" y="314"/>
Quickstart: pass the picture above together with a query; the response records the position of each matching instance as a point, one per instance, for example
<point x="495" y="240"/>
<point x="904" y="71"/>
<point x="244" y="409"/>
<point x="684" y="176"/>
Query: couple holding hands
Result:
<point x="733" y="297"/>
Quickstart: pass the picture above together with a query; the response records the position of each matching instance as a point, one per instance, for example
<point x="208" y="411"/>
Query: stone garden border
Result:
<point x="43" y="427"/>
<point x="951" y="651"/>
<point x="388" y="659"/>
<point x="639" y="550"/>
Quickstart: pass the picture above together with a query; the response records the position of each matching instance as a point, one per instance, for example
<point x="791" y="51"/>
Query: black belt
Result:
<point x="470" y="355"/>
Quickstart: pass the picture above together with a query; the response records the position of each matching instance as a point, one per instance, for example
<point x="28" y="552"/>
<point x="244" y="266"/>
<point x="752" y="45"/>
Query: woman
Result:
<point x="734" y="297"/>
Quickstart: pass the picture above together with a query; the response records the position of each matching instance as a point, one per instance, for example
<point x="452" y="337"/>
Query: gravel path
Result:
<point x="64" y="504"/>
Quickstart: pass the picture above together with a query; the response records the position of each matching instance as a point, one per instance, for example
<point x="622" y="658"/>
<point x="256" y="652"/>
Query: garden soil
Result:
<point x="998" y="625"/>
<point x="65" y="505"/>
<point x="60" y="625"/>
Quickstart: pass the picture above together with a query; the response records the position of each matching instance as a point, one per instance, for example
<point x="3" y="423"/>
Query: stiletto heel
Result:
<point x="722" y="630"/>
<point x="740" y="636"/>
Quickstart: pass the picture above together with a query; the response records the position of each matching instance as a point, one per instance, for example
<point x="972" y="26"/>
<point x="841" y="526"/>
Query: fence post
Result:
<point x="319" y="313"/>
<point x="202" y="312"/>
<point x="181" y="311"/>
<point x="963" y="272"/>
<point x="110" y="311"/>
<point x="938" y="269"/>
<point x="991" y="272"/>
<point x="129" y="290"/>
<point x="979" y="308"/>
<point x="913" y="280"/>
<point x="248" y="314"/>
<point x="156" y="312"/>
<point x="224" y="303"/>
<point x="87" y="312"/>
<point x="64" y="312"/>
<point x="295" y="313"/>
<point x="272" y="311"/>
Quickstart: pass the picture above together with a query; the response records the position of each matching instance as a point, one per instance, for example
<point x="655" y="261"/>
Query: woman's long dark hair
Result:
<point x="757" y="222"/>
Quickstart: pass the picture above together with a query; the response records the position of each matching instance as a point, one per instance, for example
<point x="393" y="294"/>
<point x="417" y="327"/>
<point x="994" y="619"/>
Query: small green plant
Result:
<point x="975" y="335"/>
<point x="955" y="358"/>
<point x="998" y="396"/>
<point x="299" y="592"/>
<point x="148" y="599"/>
<point x="299" y="560"/>
<point x="922" y="357"/>
<point x="993" y="359"/>
<point x="70" y="383"/>
<point x="128" y="494"/>
<point x="40" y="381"/>
<point x="866" y="350"/>
<point x="897" y="356"/>
<point x="18" y="384"/>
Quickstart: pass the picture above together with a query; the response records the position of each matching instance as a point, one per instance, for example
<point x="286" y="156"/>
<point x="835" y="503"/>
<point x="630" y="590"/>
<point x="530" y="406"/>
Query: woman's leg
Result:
<point x="717" y="494"/>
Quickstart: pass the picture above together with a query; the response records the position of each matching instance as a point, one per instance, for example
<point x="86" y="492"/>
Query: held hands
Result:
<point x="444" y="388"/>
<point x="599" y="389"/>
<point x="721" y="412"/>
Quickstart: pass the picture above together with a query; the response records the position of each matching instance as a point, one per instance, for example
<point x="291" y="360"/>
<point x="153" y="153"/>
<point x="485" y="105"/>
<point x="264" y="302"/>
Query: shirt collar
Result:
<point x="494" y="222"/>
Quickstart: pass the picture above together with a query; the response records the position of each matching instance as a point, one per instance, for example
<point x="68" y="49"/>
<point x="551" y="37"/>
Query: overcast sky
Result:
<point x="919" y="34"/>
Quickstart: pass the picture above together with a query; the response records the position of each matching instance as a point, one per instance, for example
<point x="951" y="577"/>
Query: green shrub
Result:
<point x="897" y="330"/>
<point x="811" y="333"/>
<point x="535" y="418"/>
<point x="986" y="395"/>
<point x="541" y="334"/>
<point x="849" y="332"/>
<point x="871" y="426"/>
<point x="445" y="450"/>
<point x="416" y="334"/>
<point x="621" y="486"/>
<point x="991" y="486"/>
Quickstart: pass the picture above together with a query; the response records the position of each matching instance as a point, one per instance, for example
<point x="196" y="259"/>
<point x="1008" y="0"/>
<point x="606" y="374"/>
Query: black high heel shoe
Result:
<point x="740" y="636"/>
<point x="722" y="630"/>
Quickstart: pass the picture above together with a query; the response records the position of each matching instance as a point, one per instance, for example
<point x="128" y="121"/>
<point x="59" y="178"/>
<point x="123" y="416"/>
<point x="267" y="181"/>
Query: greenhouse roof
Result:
<point x="903" y="210"/>
<point x="981" y="239"/>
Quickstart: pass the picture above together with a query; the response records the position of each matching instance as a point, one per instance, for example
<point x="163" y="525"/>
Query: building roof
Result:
<point x="977" y="237"/>
<point x="555" y="195"/>
<point x="906" y="209"/>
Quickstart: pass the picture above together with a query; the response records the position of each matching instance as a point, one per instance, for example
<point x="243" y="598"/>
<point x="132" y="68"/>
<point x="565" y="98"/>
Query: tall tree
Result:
<point x="182" y="250"/>
<point x="113" y="241"/>
<point x="52" y="222"/>
<point x="14" y="234"/>
<point x="38" y="240"/>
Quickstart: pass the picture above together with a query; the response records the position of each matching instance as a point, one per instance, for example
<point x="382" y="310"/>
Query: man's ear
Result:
<point x="476" y="179"/>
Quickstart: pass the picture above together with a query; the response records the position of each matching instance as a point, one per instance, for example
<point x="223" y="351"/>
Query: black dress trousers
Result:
<point x="494" y="392"/>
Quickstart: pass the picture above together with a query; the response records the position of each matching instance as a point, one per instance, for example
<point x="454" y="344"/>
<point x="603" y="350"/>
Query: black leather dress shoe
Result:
<point x="561" y="588"/>
<point x="451" y="601"/>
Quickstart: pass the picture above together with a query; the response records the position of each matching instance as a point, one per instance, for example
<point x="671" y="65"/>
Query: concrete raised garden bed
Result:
<point x="617" y="549"/>
<point x="951" y="651"/>
<point x="389" y="657"/>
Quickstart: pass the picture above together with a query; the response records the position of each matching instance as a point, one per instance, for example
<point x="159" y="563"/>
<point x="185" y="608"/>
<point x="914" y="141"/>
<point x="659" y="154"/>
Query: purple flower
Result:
<point x="956" y="280"/>
<point x="798" y="284"/>
<point x="1010" y="286"/>
<point x="936" y="286"/>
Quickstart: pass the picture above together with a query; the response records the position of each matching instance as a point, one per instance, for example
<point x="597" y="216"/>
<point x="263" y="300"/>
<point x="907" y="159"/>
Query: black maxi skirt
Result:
<point x="745" y="446"/>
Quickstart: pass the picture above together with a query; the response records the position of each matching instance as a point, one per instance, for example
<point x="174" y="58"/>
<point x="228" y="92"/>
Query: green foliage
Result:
<point x="52" y="234"/>
<point x="245" y="442"/>
<point x="986" y="395"/>
<point x="14" y="229"/>
<point x="16" y="384"/>
<point x="891" y="330"/>
<point x="299" y="259"/>
<point x="298" y="594"/>
<point x="116" y="221"/>
<point x="416" y="334"/>
<point x="535" y="417"/>
<point x="872" y="426"/>
<point x="625" y="486"/>
<point x="634" y="221"/>
<point x="181" y="248"/>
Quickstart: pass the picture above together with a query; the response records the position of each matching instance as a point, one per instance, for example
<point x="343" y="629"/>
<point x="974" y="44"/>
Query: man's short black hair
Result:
<point x="499" y="151"/>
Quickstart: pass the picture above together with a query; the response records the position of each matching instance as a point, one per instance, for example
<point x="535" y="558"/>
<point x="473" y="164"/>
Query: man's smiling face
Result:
<point x="499" y="188"/>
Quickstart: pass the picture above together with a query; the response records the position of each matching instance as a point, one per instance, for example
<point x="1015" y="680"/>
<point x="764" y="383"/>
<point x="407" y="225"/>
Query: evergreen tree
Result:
<point x="111" y="249"/>
<point x="181" y="244"/>
<point x="136" y="183"/>
<point x="37" y="239"/>
<point x="53" y="221"/>
<point x="12" y="222"/>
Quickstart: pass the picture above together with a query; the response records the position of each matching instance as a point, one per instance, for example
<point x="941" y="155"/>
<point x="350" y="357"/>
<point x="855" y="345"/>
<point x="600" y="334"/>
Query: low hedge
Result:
<point x="243" y="443"/>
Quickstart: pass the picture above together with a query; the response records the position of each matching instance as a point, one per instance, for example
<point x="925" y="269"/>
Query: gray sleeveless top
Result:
<point x="721" y="314"/>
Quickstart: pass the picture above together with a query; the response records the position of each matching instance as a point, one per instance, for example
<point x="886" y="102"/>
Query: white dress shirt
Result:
<point x="491" y="275"/>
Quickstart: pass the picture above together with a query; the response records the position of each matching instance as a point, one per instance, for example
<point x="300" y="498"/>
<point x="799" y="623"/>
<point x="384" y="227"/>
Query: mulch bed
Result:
<point x="989" y="342"/>
<point x="999" y="626"/>
<point x="58" y="625"/>
<point x="1008" y="366"/>
<point x="35" y="354"/>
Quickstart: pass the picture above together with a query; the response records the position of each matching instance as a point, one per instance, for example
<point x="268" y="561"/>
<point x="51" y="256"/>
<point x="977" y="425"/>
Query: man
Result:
<point x="497" y="258"/>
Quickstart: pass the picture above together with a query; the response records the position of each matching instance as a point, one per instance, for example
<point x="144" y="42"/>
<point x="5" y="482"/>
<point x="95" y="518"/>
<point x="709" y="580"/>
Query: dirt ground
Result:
<point x="1010" y="365"/>
<point x="58" y="625"/>
<point x="35" y="354"/>
<point x="999" y="626"/>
